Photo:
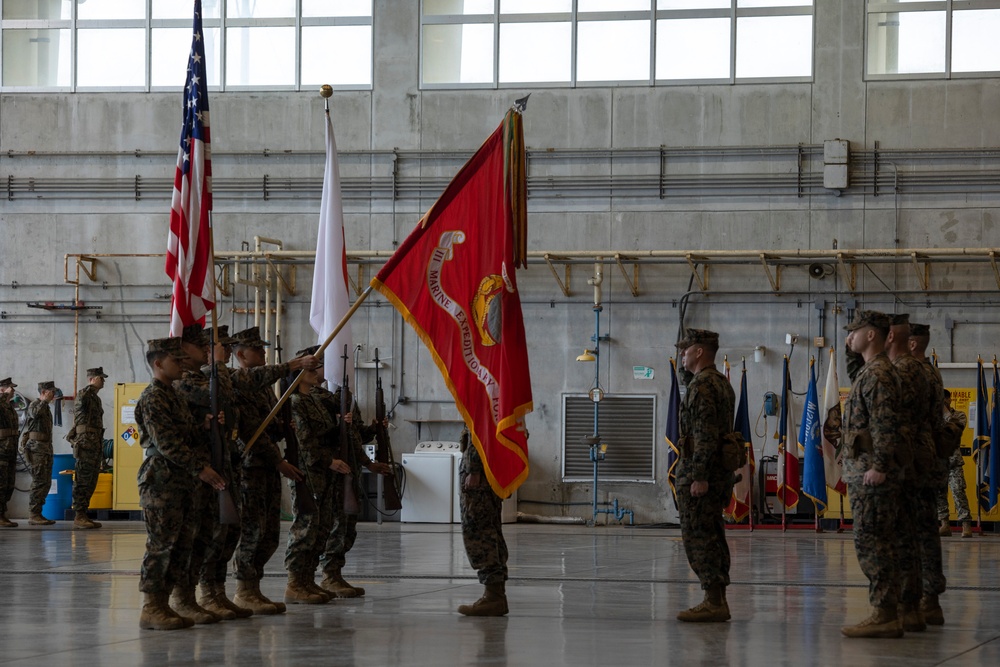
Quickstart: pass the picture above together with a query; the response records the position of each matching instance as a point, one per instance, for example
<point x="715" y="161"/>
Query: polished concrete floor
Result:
<point x="578" y="596"/>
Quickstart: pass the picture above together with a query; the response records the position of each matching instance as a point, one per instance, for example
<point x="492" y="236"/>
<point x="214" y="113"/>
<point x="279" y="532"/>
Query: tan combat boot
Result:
<point x="316" y="589"/>
<point x="912" y="618"/>
<point x="248" y="598"/>
<point x="220" y="596"/>
<point x="157" y="615"/>
<point x="966" y="529"/>
<point x="297" y="592"/>
<point x="83" y="522"/>
<point x="713" y="609"/>
<point x="209" y="601"/>
<point x="183" y="602"/>
<point x="6" y="523"/>
<point x="945" y="529"/>
<point x="278" y="606"/>
<point x="882" y="624"/>
<point x="931" y="608"/>
<point x="492" y="603"/>
<point x="38" y="520"/>
<point x="334" y="583"/>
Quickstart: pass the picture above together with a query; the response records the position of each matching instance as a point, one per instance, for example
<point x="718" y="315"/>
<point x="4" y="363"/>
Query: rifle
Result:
<point x="304" y="501"/>
<point x="383" y="452"/>
<point x="228" y="515"/>
<point x="346" y="403"/>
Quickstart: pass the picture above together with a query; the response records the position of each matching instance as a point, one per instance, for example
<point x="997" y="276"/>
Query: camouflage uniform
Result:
<point x="345" y="526"/>
<point x="918" y="544"/>
<point x="956" y="481"/>
<point x="260" y="524"/>
<point x="307" y="536"/>
<point x="168" y="479"/>
<point x="38" y="453"/>
<point x="871" y="427"/>
<point x="222" y="544"/>
<point x="8" y="447"/>
<point x="209" y="534"/>
<point x="482" y="528"/>
<point x="88" y="446"/>
<point x="706" y="417"/>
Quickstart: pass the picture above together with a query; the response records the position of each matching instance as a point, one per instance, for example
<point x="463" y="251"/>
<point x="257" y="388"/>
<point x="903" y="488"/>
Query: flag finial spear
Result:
<point x="521" y="104"/>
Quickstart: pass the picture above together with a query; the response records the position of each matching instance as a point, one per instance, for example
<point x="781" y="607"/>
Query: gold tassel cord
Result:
<point x="516" y="185"/>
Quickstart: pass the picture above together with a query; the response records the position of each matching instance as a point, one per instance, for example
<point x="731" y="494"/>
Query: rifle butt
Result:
<point x="228" y="514"/>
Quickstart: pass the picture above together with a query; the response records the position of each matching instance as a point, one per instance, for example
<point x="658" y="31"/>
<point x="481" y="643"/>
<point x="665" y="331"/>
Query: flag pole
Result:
<point x="295" y="383"/>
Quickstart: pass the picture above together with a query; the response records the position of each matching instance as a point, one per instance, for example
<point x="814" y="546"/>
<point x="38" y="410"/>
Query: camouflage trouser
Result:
<point x="224" y="538"/>
<point x="89" y="454"/>
<point x="38" y="456"/>
<point x="260" y="521"/>
<point x="482" y="532"/>
<point x="956" y="480"/>
<point x="204" y="519"/>
<point x="928" y="540"/>
<point x="344" y="531"/>
<point x="308" y="534"/>
<point x="165" y="493"/>
<point x="8" y="469"/>
<point x="876" y="514"/>
<point x="909" y="523"/>
<point x="703" y="530"/>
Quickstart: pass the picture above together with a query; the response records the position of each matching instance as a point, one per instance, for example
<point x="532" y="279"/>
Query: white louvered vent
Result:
<point x="627" y="425"/>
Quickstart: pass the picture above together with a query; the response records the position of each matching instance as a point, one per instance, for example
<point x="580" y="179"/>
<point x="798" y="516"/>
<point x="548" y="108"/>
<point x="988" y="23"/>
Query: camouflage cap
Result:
<point x="224" y="337"/>
<point x="171" y="346"/>
<point x="96" y="372"/>
<point x="870" y="318"/>
<point x="7" y="382"/>
<point x="311" y="350"/>
<point x="698" y="337"/>
<point x="250" y="338"/>
<point x="195" y="334"/>
<point x="899" y="319"/>
<point x="47" y="385"/>
<point x="920" y="329"/>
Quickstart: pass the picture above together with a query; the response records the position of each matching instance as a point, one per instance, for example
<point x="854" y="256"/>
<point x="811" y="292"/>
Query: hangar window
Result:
<point x="501" y="43"/>
<point x="932" y="38"/>
<point x="249" y="44"/>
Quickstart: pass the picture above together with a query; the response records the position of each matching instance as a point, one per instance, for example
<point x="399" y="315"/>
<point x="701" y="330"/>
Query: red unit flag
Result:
<point x="453" y="280"/>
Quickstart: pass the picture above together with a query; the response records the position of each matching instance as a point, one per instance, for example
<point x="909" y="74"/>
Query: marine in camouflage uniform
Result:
<point x="872" y="473"/>
<point x="918" y="545"/>
<point x="703" y="486"/>
<point x="8" y="449"/>
<point x="482" y="533"/>
<point x="195" y="389"/>
<point x="88" y="445"/>
<point x="262" y="467"/>
<point x="955" y="476"/>
<point x="37" y="439"/>
<point x="313" y="424"/>
<point x="176" y="464"/>
<point x="346" y="507"/>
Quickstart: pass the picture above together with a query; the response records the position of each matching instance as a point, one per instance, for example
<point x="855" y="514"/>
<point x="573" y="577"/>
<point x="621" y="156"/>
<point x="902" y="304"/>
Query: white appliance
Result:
<point x="429" y="487"/>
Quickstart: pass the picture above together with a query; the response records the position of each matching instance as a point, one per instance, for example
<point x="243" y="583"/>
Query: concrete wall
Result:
<point x="37" y="233"/>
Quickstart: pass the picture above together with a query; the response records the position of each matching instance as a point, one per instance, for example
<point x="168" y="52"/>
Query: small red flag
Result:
<point x="453" y="280"/>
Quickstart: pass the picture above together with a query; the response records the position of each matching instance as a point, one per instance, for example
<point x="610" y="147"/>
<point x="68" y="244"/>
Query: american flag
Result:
<point x="189" y="248"/>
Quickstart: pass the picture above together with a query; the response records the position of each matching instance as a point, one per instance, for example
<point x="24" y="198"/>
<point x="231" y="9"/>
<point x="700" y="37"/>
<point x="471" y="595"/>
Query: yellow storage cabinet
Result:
<point x="128" y="453"/>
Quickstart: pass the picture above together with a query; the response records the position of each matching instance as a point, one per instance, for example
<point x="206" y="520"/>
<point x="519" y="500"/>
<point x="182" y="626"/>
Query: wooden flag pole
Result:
<point x="295" y="383"/>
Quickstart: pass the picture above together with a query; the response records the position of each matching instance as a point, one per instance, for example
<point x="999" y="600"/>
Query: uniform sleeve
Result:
<point x="705" y="436"/>
<point x="81" y="407"/>
<point x="171" y="431"/>
<point x="261" y="377"/>
<point x="883" y="421"/>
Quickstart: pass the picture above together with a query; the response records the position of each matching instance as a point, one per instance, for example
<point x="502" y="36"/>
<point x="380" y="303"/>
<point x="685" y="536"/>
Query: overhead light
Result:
<point x="587" y="356"/>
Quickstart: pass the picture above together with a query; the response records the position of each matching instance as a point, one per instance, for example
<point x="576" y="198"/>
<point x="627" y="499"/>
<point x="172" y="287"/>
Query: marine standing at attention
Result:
<point x="703" y="485"/>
